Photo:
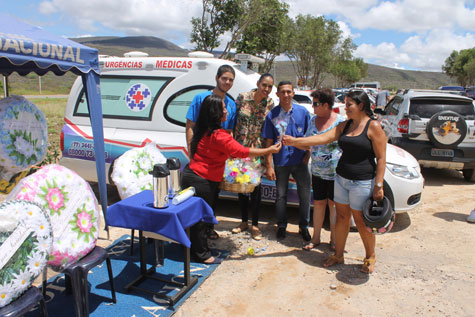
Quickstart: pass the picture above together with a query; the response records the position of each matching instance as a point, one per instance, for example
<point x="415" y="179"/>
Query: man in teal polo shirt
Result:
<point x="224" y="82"/>
<point x="290" y="119"/>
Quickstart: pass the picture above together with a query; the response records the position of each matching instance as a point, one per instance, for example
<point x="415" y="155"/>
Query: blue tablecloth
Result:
<point x="137" y="212"/>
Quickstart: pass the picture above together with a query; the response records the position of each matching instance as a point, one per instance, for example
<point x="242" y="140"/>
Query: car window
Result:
<point x="131" y="98"/>
<point x="302" y="99"/>
<point x="426" y="108"/>
<point x="177" y="105"/>
<point x="392" y="108"/>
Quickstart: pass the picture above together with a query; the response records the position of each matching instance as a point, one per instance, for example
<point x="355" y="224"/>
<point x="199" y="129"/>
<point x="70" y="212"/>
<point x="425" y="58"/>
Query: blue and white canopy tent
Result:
<point x="25" y="48"/>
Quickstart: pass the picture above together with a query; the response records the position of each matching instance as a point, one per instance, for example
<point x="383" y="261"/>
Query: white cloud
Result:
<point x="346" y="31"/>
<point x="167" y="19"/>
<point x="434" y="29"/>
<point x="46" y="7"/>
<point x="400" y="15"/>
<point x="422" y="52"/>
<point x="324" y="7"/>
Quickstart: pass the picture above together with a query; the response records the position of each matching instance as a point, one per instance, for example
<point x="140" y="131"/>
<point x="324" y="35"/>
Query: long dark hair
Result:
<point x="209" y="120"/>
<point x="359" y="96"/>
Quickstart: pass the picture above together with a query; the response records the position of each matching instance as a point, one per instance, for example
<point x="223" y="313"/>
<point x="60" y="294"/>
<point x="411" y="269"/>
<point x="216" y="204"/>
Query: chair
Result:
<point x="25" y="303"/>
<point x="76" y="279"/>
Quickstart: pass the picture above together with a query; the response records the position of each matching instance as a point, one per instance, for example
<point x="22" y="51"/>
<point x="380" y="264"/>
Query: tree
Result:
<point x="312" y="47"/>
<point x="264" y="36"/>
<point x="469" y="69"/>
<point x="255" y="27"/>
<point x="349" y="71"/>
<point x="218" y="17"/>
<point x="461" y="66"/>
<point x="345" y="68"/>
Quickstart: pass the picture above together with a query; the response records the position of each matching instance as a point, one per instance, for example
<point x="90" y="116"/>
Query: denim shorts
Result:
<point x="352" y="192"/>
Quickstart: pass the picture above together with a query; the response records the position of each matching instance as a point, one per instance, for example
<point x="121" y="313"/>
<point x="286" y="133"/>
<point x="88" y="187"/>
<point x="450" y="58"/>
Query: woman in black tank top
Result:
<point x="363" y="143"/>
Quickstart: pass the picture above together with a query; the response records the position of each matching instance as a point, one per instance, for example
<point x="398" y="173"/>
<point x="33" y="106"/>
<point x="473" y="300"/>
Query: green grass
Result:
<point x="53" y="109"/>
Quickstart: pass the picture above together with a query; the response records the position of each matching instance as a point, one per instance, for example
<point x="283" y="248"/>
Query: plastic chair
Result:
<point x="76" y="279"/>
<point x="25" y="303"/>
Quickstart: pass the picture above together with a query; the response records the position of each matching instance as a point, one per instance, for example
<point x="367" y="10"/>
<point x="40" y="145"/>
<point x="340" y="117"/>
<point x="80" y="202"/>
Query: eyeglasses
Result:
<point x="316" y="104"/>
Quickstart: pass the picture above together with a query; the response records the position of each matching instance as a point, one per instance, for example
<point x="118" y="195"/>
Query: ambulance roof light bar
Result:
<point x="135" y="54"/>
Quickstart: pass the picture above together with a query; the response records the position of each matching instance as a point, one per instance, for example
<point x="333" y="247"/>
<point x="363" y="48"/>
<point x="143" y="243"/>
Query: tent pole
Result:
<point x="5" y="86"/>
<point x="92" y="89"/>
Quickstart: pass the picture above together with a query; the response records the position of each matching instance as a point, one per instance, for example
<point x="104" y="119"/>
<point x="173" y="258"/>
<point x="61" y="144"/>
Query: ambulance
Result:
<point x="146" y="99"/>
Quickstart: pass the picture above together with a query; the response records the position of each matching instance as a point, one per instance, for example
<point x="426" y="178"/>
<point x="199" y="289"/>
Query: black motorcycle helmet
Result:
<point x="378" y="216"/>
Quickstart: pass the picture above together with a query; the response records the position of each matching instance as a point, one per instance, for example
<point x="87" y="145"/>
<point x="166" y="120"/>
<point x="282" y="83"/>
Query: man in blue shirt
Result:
<point x="290" y="119"/>
<point x="382" y="98"/>
<point x="224" y="82"/>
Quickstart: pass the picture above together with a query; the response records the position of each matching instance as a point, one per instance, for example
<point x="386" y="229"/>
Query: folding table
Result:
<point x="170" y="224"/>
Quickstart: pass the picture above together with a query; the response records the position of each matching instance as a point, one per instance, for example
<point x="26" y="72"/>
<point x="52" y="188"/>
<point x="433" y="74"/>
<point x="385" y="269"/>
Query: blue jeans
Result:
<point x="302" y="177"/>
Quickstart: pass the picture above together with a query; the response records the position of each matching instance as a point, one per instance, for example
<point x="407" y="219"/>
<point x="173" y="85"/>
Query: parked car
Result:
<point x="437" y="128"/>
<point x="167" y="86"/>
<point x="302" y="97"/>
<point x="366" y="84"/>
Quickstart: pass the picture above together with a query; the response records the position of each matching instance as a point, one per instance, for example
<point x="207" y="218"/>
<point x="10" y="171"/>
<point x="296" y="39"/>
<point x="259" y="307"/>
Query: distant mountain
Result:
<point x="390" y="78"/>
<point x="117" y="46"/>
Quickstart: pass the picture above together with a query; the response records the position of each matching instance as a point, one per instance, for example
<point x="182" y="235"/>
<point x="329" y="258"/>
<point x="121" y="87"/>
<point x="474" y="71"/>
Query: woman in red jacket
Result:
<point x="210" y="147"/>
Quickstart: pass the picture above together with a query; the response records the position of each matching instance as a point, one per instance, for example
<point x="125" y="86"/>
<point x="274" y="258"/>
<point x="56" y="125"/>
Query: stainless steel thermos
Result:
<point x="160" y="175"/>
<point x="173" y="164"/>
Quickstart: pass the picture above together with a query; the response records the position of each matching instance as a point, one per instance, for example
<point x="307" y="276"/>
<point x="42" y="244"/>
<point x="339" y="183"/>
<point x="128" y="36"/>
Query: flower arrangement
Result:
<point x="25" y="245"/>
<point x="131" y="170"/>
<point x="72" y="207"/>
<point x="245" y="172"/>
<point x="23" y="135"/>
<point x="281" y="122"/>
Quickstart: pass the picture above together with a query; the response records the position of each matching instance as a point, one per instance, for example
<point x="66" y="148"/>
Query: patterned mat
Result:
<point x="125" y="268"/>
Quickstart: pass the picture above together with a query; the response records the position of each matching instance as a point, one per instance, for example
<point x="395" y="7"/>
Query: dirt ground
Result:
<point x="425" y="265"/>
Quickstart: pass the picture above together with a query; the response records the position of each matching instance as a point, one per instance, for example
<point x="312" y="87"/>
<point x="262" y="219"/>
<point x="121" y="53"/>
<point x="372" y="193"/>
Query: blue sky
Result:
<point x="409" y="34"/>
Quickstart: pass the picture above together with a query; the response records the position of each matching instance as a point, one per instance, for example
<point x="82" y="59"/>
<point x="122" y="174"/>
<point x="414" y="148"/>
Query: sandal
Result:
<point x="333" y="259"/>
<point x="256" y="233"/>
<point x="309" y="246"/>
<point x="368" y="265"/>
<point x="243" y="226"/>
<point x="215" y="261"/>
<point x="213" y="235"/>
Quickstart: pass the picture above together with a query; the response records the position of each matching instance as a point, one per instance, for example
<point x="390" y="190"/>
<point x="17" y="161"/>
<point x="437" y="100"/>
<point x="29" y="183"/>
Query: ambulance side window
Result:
<point x="129" y="98"/>
<point x="177" y="105"/>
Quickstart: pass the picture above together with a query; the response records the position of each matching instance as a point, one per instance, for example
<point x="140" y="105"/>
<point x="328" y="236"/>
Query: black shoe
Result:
<point x="280" y="233"/>
<point x="305" y="234"/>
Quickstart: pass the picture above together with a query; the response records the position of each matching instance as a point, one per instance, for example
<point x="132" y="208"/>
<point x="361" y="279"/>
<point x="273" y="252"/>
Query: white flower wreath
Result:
<point x="24" y="248"/>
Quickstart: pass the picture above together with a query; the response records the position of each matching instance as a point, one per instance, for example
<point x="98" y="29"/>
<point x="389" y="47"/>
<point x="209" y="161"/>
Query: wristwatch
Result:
<point x="379" y="184"/>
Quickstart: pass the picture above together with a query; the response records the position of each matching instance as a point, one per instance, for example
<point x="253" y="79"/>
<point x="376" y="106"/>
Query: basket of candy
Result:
<point x="242" y="175"/>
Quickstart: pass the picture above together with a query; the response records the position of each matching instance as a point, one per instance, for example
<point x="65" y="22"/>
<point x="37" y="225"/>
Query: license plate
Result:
<point x="442" y="152"/>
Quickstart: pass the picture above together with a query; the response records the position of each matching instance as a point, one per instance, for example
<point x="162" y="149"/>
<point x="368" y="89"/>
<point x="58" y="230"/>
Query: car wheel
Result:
<point x="446" y="129"/>
<point x="469" y="174"/>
